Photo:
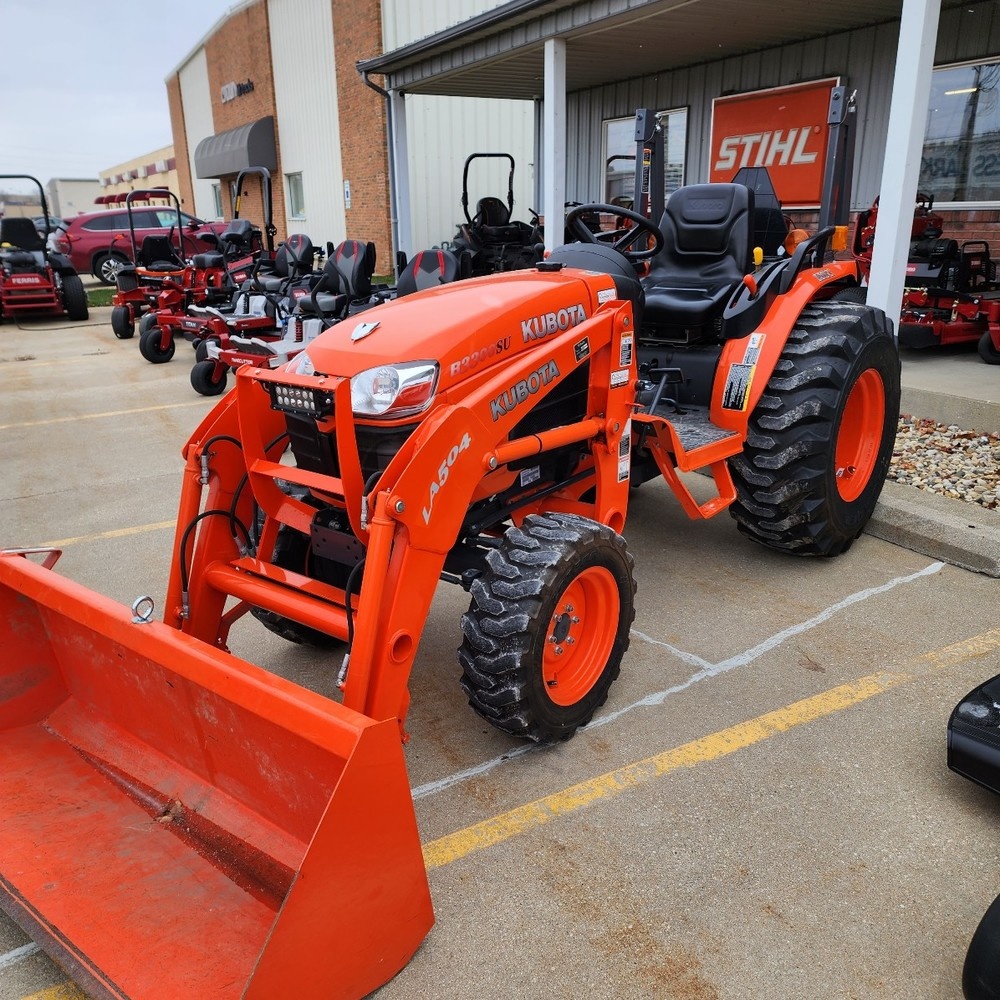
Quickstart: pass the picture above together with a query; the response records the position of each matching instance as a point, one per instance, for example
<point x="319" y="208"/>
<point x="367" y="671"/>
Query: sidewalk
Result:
<point x="950" y="386"/>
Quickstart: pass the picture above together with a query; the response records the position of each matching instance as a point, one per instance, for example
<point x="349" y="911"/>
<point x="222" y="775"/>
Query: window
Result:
<point x="217" y="199"/>
<point x="101" y="223"/>
<point x="619" y="156"/>
<point x="296" y="199"/>
<point x="961" y="156"/>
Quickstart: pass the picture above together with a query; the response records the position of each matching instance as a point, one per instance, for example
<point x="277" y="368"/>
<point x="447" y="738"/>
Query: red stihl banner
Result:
<point x="784" y="129"/>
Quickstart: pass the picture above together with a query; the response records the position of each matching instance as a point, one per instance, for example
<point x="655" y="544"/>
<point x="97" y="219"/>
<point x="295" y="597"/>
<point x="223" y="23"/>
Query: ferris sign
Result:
<point x="784" y="129"/>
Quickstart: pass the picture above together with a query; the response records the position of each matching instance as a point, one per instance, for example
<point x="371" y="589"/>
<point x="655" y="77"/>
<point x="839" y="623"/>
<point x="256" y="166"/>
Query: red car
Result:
<point x="99" y="242"/>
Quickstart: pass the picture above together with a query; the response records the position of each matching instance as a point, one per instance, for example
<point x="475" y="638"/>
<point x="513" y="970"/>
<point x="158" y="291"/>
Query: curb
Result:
<point x="944" y="408"/>
<point x="962" y="534"/>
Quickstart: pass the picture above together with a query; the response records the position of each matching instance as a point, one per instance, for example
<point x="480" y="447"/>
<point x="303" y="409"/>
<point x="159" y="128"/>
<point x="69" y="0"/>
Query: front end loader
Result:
<point x="487" y="433"/>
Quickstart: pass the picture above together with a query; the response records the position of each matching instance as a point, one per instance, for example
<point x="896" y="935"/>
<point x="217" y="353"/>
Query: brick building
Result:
<point x="274" y="85"/>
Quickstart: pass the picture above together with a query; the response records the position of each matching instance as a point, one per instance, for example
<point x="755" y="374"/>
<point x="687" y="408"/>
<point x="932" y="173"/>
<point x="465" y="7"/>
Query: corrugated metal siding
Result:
<point x="864" y="59"/>
<point x="198" y="123"/>
<point x="443" y="131"/>
<point x="305" y="96"/>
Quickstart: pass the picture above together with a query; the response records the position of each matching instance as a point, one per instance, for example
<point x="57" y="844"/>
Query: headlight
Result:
<point x="296" y="399"/>
<point x="394" y="390"/>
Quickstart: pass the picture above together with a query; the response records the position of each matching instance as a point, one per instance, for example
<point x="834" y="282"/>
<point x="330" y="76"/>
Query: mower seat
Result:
<point x="203" y="261"/>
<point x="708" y="234"/>
<point x="157" y="253"/>
<point x="346" y="281"/>
<point x="428" y="269"/>
<point x="239" y="237"/>
<point x="26" y="249"/>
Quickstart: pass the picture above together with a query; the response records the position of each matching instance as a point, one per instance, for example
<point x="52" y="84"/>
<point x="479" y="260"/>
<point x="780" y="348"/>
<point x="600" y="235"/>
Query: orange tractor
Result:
<point x="247" y="837"/>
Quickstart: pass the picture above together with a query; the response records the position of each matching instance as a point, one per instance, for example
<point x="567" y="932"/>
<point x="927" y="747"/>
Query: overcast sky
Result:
<point x="82" y="82"/>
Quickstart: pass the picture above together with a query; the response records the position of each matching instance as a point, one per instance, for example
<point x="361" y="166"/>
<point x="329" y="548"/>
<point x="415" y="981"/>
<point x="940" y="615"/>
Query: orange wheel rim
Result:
<point x="580" y="635"/>
<point x="860" y="435"/>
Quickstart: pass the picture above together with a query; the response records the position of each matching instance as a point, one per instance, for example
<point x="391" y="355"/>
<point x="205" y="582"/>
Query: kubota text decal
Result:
<point x="522" y="389"/>
<point x="784" y="130"/>
<point x="552" y="322"/>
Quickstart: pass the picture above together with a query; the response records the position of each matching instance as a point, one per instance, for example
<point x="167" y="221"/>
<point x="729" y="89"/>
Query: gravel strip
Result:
<point x="949" y="461"/>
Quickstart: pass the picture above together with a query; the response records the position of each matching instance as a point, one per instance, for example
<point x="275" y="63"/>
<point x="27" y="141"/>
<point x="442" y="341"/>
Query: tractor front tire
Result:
<point x="291" y="552"/>
<point x="151" y="349"/>
<point x="987" y="351"/>
<point x="547" y="627"/>
<point x="820" y="439"/>
<point x="122" y="324"/>
<point x="74" y="297"/>
<point x="205" y="380"/>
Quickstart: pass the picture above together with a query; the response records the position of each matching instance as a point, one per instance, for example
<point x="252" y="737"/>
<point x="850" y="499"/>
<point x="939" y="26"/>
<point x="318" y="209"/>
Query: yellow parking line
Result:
<point x="137" y="529"/>
<point x="64" y="991"/>
<point x="505" y="826"/>
<point x="99" y="416"/>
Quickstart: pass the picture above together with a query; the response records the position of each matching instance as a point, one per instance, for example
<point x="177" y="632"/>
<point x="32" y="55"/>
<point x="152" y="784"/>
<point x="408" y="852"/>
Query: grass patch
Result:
<point x="100" y="296"/>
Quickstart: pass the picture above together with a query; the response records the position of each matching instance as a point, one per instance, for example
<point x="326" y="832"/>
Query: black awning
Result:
<point x="250" y="145"/>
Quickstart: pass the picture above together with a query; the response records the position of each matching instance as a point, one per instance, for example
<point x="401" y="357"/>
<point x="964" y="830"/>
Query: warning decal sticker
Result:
<point x="737" y="390"/>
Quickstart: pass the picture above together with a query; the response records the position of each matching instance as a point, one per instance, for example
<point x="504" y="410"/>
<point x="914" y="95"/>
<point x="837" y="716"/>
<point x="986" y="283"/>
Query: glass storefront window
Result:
<point x="619" y="156"/>
<point x="961" y="156"/>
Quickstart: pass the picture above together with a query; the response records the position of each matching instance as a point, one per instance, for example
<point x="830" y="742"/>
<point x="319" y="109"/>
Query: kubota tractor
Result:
<point x="487" y="433"/>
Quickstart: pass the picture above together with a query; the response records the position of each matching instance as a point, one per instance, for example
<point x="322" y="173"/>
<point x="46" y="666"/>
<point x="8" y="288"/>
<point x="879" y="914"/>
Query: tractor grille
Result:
<point x="316" y="451"/>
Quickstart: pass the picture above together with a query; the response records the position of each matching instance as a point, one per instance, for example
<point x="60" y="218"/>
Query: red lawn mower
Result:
<point x="213" y="280"/>
<point x="279" y="313"/>
<point x="951" y="294"/>
<point x="33" y="280"/>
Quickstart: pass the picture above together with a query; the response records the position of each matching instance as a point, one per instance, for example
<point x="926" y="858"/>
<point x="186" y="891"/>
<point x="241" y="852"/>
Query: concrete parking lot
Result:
<point x="761" y="810"/>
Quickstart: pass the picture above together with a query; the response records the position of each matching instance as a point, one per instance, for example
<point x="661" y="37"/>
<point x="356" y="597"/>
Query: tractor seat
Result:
<point x="428" y="269"/>
<point x="708" y="248"/>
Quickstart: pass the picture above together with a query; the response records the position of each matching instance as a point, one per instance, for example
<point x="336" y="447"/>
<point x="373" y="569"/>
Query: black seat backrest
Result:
<point x="428" y="269"/>
<point x="299" y="254"/>
<point x="491" y="212"/>
<point x="770" y="227"/>
<point x="355" y="261"/>
<point x="708" y="236"/>
<point x="20" y="233"/>
<point x="158" y="254"/>
<point x="239" y="235"/>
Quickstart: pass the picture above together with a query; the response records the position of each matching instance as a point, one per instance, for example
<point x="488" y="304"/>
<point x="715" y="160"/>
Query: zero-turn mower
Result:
<point x="487" y="433"/>
<point x="34" y="281"/>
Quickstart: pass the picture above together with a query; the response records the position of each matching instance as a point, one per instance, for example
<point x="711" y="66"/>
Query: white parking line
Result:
<point x="706" y="670"/>
<point x="18" y="955"/>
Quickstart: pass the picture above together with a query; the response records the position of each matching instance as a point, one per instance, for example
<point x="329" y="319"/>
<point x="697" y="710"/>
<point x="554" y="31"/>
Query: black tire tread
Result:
<point x="783" y="477"/>
<point x="75" y="297"/>
<point x="512" y="601"/>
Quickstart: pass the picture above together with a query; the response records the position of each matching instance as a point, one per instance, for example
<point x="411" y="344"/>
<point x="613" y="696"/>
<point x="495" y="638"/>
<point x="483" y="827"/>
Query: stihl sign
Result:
<point x="784" y="130"/>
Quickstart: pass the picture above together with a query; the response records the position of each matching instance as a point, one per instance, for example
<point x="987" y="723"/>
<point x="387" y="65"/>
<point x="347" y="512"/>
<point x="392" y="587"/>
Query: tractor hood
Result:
<point x="467" y="326"/>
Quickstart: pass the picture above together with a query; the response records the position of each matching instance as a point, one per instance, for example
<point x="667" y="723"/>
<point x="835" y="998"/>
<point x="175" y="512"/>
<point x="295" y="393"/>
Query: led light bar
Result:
<point x="300" y="399"/>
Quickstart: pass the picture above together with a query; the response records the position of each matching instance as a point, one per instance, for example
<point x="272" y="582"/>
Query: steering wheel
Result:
<point x="618" y="239"/>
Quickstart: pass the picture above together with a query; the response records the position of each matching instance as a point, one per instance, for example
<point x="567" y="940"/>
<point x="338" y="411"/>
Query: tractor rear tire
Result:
<point x="291" y="551"/>
<point x="204" y="380"/>
<point x="820" y="440"/>
<point x="981" y="970"/>
<point x="987" y="351"/>
<point x="122" y="324"/>
<point x="74" y="297"/>
<point x="547" y="627"/>
<point x="152" y="351"/>
<point x="853" y="293"/>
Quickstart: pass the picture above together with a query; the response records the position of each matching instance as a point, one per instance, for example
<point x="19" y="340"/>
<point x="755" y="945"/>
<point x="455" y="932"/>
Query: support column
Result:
<point x="554" y="135"/>
<point x="399" y="179"/>
<point x="903" y="149"/>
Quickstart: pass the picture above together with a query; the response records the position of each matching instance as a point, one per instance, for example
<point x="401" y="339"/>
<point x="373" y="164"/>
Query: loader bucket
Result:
<point x="176" y="822"/>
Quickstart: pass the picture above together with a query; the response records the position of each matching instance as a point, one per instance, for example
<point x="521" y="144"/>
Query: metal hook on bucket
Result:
<point x="145" y="615"/>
